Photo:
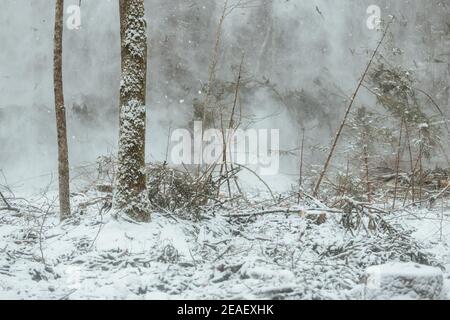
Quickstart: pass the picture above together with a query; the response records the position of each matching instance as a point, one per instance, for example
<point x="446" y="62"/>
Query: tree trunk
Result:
<point x="130" y="196"/>
<point x="60" y="110"/>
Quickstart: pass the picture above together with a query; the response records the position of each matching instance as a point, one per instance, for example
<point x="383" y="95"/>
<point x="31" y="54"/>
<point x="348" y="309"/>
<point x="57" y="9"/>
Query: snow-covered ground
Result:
<point x="276" y="255"/>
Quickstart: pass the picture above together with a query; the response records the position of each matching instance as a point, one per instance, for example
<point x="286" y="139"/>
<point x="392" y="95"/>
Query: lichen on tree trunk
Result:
<point x="130" y="196"/>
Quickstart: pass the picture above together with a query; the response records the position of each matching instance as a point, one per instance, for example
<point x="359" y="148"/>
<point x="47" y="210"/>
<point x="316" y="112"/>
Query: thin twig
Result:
<point x="260" y="179"/>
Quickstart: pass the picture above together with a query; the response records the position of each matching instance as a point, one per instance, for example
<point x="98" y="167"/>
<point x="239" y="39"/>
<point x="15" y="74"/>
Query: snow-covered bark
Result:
<point x="130" y="196"/>
<point x="60" y="110"/>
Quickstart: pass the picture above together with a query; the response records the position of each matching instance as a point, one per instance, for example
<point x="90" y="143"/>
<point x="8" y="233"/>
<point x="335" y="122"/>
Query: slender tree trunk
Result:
<point x="130" y="195"/>
<point x="411" y="160"/>
<point x="347" y="112"/>
<point x="397" y="164"/>
<point x="420" y="166"/>
<point x="60" y="110"/>
<point x="367" y="171"/>
<point x="300" y="179"/>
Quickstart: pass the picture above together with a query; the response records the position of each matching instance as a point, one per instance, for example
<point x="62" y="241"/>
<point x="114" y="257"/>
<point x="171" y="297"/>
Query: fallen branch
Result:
<point x="8" y="206"/>
<point x="260" y="179"/>
<point x="440" y="194"/>
<point x="223" y="253"/>
<point x="286" y="211"/>
<point x="65" y="297"/>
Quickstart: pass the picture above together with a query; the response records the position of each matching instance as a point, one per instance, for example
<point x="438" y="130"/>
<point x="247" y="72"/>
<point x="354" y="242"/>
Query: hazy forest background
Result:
<point x="358" y="210"/>
<point x="302" y="61"/>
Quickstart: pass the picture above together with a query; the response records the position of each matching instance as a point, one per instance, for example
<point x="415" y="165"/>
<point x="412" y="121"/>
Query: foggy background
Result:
<point x="312" y="52"/>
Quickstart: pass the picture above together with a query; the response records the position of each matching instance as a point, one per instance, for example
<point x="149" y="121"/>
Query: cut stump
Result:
<point x="403" y="281"/>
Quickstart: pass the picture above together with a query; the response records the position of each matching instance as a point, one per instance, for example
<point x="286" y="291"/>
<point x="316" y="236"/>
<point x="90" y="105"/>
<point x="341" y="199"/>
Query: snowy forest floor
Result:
<point x="256" y="255"/>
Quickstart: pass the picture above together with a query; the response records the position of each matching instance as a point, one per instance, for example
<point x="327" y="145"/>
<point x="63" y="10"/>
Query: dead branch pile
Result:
<point x="184" y="191"/>
<point x="359" y="215"/>
<point x="178" y="191"/>
<point x="431" y="179"/>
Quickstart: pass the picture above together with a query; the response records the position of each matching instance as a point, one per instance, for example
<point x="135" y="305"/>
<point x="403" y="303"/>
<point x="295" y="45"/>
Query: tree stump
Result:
<point x="403" y="281"/>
